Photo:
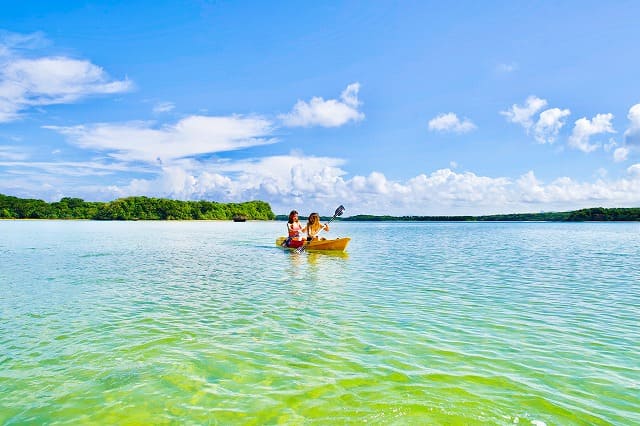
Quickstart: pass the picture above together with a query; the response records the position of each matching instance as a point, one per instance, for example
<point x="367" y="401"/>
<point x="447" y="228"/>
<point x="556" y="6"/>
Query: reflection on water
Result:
<point x="315" y="257"/>
<point x="309" y="264"/>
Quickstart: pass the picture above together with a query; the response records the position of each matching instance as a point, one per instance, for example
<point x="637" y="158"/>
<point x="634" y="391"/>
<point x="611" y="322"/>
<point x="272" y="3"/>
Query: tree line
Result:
<point x="132" y="208"/>
<point x="582" y="215"/>
<point x="145" y="208"/>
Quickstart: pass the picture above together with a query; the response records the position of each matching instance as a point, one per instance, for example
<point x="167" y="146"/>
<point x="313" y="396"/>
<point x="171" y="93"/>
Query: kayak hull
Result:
<point x="338" y="244"/>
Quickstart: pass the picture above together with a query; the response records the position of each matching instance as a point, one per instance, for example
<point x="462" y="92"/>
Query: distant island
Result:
<point x="595" y="214"/>
<point x="133" y="208"/>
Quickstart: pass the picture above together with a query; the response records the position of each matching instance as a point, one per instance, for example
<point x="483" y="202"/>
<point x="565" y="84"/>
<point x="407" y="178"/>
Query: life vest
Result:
<point x="294" y="229"/>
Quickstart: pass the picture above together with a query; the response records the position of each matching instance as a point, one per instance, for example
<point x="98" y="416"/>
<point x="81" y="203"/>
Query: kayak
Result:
<point x="338" y="244"/>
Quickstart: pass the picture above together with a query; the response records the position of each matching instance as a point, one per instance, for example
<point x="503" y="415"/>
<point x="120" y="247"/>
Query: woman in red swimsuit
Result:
<point x="295" y="231"/>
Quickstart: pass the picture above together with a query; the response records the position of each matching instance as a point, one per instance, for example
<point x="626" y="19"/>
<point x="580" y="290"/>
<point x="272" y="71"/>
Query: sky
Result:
<point x="385" y="107"/>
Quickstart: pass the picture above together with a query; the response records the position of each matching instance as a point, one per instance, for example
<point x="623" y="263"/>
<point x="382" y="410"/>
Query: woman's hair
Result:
<point x="293" y="212"/>
<point x="314" y="226"/>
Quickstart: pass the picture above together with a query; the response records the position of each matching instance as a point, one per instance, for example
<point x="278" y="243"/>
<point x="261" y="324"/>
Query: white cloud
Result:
<point x="546" y="126"/>
<point x="30" y="82"/>
<point x="566" y="193"/>
<point x="522" y="114"/>
<point x="50" y="169"/>
<point x="163" y="107"/>
<point x="632" y="134"/>
<point x="585" y="128"/>
<point x="634" y="170"/>
<point x="12" y="153"/>
<point x="282" y="180"/>
<point x="310" y="183"/>
<point x="10" y="42"/>
<point x="326" y="113"/>
<point x="450" y="122"/>
<point x="620" y="154"/>
<point x="191" y="136"/>
<point x="549" y="124"/>
<point x="287" y="176"/>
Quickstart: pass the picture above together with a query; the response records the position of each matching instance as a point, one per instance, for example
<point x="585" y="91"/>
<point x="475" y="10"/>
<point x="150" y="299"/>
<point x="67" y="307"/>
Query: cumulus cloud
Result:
<point x="584" y="129"/>
<point x="568" y="193"/>
<point x="546" y="126"/>
<point x="284" y="181"/>
<point x="310" y="183"/>
<point x="30" y="82"/>
<point x="450" y="122"/>
<point x="523" y="114"/>
<point x="620" y="154"/>
<point x="317" y="183"/>
<point x="326" y="113"/>
<point x="313" y="183"/>
<point x="632" y="134"/>
<point x="631" y="139"/>
<point x="191" y="136"/>
<point x="549" y="124"/>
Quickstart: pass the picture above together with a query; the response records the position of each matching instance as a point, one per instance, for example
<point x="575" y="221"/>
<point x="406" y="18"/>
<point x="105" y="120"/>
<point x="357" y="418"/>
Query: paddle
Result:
<point x="337" y="213"/>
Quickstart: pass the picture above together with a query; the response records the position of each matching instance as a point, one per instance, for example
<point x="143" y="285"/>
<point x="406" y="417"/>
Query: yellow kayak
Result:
<point x="338" y="244"/>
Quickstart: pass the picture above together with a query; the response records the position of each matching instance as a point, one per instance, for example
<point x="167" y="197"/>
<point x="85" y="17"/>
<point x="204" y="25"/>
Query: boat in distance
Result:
<point x="337" y="244"/>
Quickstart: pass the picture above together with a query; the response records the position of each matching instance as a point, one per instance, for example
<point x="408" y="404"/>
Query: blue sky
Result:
<point x="427" y="108"/>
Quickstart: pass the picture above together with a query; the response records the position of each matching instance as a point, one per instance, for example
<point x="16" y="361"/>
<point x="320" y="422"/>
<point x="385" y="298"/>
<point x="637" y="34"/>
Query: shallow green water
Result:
<point x="421" y="323"/>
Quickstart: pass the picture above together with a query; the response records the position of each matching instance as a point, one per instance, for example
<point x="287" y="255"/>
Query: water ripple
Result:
<point x="207" y="322"/>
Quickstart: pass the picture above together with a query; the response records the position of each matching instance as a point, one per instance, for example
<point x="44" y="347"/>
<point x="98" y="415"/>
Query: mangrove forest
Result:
<point x="132" y="208"/>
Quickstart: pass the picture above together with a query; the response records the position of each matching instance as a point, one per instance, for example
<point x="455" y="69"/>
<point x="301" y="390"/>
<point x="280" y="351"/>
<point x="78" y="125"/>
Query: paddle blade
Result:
<point x="339" y="211"/>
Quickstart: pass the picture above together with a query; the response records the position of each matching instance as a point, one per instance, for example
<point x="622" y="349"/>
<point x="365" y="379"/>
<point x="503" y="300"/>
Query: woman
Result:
<point x="294" y="231"/>
<point x="314" y="227"/>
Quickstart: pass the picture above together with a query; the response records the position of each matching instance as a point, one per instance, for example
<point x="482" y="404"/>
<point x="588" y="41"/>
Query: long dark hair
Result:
<point x="293" y="212"/>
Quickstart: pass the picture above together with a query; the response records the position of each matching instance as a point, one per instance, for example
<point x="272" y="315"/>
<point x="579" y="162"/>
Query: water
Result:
<point x="420" y="323"/>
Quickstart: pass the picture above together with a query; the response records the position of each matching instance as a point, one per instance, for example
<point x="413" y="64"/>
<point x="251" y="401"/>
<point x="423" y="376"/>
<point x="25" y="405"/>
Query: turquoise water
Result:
<point x="420" y="323"/>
